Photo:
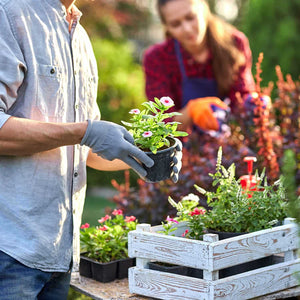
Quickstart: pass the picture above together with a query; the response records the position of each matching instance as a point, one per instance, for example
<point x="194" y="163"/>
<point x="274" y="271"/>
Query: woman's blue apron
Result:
<point x="195" y="87"/>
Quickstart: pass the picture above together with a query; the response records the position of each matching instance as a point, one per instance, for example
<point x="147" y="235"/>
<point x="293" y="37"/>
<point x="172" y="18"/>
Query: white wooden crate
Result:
<point x="211" y="255"/>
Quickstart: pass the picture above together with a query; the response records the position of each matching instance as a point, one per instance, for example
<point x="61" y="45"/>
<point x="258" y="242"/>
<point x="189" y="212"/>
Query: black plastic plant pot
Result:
<point x="180" y="270"/>
<point x="123" y="266"/>
<point x="244" y="267"/>
<point x="193" y="272"/>
<point x="225" y="235"/>
<point x="163" y="162"/>
<point x="104" y="272"/>
<point x="85" y="266"/>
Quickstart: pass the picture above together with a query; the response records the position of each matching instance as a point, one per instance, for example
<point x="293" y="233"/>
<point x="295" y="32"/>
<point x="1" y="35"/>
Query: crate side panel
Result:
<point x="237" y="250"/>
<point x="258" y="282"/>
<point x="166" y="285"/>
<point x="179" y="228"/>
<point x="168" y="249"/>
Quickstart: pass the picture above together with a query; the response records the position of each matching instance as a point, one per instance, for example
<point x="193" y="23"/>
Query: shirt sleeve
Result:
<point x="12" y="67"/>
<point x="244" y="83"/>
<point x="157" y="80"/>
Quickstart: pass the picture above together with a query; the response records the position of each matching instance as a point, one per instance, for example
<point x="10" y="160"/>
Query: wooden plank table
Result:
<point x="115" y="290"/>
<point x="118" y="290"/>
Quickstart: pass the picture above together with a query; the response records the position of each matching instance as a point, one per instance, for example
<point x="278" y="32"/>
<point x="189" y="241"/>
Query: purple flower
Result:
<point x="135" y="111"/>
<point x="167" y="101"/>
<point x="147" y="134"/>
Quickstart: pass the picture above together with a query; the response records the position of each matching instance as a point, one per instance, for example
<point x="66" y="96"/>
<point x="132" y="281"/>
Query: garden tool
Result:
<point x="249" y="182"/>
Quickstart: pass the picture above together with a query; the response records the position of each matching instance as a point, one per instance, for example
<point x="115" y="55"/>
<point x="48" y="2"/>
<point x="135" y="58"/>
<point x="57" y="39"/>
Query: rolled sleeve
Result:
<point x="3" y="118"/>
<point x="12" y="67"/>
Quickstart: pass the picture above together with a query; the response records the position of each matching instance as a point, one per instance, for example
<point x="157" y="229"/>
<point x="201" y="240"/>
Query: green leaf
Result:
<point x="180" y="133"/>
<point x="172" y="114"/>
<point x="127" y="124"/>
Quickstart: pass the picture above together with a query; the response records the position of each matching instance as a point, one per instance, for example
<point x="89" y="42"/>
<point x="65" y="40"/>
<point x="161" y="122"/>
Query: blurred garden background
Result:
<point x="121" y="30"/>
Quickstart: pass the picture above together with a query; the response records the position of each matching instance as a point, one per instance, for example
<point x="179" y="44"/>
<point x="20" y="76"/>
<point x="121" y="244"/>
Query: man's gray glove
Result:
<point x="112" y="141"/>
<point x="177" y="161"/>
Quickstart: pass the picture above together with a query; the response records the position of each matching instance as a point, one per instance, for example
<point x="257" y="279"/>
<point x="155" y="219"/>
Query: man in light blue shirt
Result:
<point x="50" y="129"/>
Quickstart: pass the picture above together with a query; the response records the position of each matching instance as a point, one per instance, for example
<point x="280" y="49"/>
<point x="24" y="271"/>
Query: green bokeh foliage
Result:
<point x="273" y="28"/>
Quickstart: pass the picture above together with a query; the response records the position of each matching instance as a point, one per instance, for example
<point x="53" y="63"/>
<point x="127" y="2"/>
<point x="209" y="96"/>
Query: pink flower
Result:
<point x="167" y="101"/>
<point x="102" y="220"/>
<point x="135" y="111"/>
<point x="171" y="220"/>
<point x="103" y="228"/>
<point x="147" y="134"/>
<point x="84" y="226"/>
<point x="117" y="212"/>
<point x="185" y="233"/>
<point x="197" y="211"/>
<point x="130" y="219"/>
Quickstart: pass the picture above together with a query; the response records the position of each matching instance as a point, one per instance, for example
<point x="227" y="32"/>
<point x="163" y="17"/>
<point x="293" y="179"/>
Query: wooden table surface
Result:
<point x="115" y="290"/>
<point x="118" y="290"/>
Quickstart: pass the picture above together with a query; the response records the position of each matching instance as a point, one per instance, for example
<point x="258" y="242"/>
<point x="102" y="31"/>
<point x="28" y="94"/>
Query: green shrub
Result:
<point x="121" y="79"/>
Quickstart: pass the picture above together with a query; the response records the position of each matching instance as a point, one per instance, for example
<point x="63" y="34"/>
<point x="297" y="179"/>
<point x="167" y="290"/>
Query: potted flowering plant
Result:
<point x="237" y="210"/>
<point x="104" y="247"/>
<point x="234" y="210"/>
<point x="154" y="135"/>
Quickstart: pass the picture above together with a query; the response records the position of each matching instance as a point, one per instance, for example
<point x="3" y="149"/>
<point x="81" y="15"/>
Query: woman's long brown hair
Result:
<point x="227" y="59"/>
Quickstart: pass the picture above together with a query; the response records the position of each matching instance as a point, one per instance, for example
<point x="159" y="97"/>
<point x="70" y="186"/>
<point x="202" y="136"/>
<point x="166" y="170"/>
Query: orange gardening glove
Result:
<point x="202" y="114"/>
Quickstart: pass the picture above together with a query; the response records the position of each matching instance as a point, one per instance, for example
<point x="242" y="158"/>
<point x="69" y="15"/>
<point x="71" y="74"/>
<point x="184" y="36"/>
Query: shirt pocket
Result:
<point x="50" y="100"/>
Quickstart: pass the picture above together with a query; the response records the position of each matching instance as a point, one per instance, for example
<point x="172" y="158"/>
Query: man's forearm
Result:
<point x="96" y="162"/>
<point x="25" y="137"/>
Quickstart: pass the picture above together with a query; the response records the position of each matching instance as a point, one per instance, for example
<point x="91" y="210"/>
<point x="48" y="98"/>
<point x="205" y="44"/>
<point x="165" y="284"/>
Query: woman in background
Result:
<point x="202" y="62"/>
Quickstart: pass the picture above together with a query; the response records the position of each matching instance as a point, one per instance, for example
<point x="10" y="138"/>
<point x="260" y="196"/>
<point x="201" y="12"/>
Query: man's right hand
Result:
<point x="112" y="141"/>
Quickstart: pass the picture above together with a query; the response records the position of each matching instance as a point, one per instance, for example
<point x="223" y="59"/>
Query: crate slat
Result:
<point x="257" y="282"/>
<point x="166" y="285"/>
<point x="237" y="250"/>
<point x="163" y="248"/>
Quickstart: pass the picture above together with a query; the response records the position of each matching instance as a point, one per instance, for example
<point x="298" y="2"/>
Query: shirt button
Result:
<point x="75" y="174"/>
<point x="76" y="106"/>
<point x="74" y="211"/>
<point x="52" y="71"/>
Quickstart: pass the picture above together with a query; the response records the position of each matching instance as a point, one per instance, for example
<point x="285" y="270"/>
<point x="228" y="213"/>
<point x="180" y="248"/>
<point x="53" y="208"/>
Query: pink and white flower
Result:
<point x="103" y="228"/>
<point x="167" y="101"/>
<point x="171" y="220"/>
<point x="84" y="226"/>
<point x="147" y="134"/>
<point x="185" y="233"/>
<point x="117" y="212"/>
<point x="103" y="219"/>
<point x="130" y="219"/>
<point x="135" y="111"/>
<point x="197" y="211"/>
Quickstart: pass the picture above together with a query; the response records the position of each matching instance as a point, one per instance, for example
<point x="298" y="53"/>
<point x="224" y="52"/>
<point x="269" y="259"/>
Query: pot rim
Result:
<point x="173" y="140"/>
